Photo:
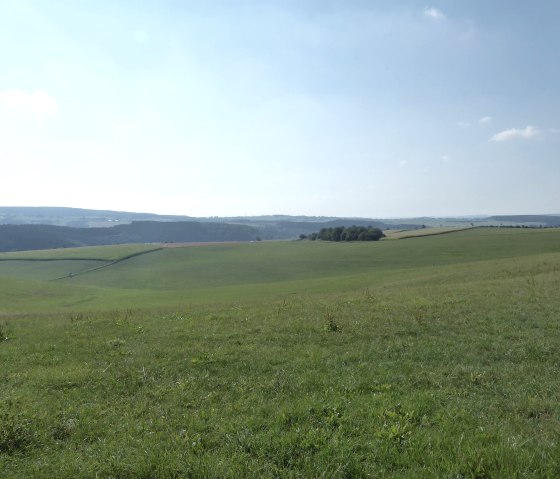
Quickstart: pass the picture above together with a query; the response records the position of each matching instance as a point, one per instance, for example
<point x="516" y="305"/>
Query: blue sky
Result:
<point x="344" y="108"/>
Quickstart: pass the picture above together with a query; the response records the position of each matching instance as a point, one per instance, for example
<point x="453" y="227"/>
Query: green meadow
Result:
<point x="429" y="356"/>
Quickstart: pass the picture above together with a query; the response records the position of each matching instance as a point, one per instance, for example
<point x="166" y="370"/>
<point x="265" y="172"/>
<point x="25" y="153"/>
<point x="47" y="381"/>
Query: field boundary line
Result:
<point x="438" y="233"/>
<point x="109" y="263"/>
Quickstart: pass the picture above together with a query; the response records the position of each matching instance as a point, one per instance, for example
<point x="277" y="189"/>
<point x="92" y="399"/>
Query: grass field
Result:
<point x="426" y="357"/>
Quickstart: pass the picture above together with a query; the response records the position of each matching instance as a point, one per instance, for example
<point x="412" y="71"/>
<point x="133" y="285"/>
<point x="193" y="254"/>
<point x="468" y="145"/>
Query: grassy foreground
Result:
<point x="426" y="357"/>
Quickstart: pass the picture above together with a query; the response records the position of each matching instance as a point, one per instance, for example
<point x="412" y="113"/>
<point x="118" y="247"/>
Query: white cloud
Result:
<point x="434" y="13"/>
<point x="462" y="124"/>
<point x="402" y="164"/>
<point x="445" y="158"/>
<point x="527" y="133"/>
<point x="485" y="119"/>
<point x="38" y="103"/>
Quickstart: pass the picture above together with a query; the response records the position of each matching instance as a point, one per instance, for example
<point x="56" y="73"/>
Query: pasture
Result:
<point x="424" y="357"/>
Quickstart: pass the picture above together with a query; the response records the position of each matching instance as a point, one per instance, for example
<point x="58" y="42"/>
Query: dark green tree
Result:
<point x="352" y="233"/>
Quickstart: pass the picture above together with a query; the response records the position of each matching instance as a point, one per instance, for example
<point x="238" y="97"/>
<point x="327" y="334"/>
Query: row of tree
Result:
<point x="341" y="233"/>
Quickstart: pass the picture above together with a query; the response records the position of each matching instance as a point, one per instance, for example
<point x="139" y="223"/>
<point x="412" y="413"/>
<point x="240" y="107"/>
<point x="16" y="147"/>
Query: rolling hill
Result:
<point x="433" y="356"/>
<point x="144" y="274"/>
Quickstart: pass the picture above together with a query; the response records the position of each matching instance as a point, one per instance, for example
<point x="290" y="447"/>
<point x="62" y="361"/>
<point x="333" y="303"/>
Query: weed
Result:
<point x="4" y="331"/>
<point x="331" y="324"/>
<point x="476" y="378"/>
<point x="419" y="316"/>
<point x="282" y="307"/>
<point x="16" y="433"/>
<point x="329" y="417"/>
<point x="397" y="426"/>
<point x="532" y="284"/>
<point x="64" y="428"/>
<point x="368" y="294"/>
<point x="202" y="359"/>
<point x="175" y="317"/>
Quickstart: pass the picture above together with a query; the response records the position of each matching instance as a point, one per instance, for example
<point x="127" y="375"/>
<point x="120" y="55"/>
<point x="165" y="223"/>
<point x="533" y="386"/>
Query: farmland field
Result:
<point x="432" y="356"/>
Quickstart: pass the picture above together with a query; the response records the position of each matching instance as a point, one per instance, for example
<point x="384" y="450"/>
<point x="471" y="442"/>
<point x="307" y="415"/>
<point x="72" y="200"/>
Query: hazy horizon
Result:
<point x="340" y="108"/>
<point x="466" y="216"/>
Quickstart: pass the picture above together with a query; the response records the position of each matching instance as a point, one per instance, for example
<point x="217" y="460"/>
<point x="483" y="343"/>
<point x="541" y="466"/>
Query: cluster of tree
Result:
<point x="341" y="233"/>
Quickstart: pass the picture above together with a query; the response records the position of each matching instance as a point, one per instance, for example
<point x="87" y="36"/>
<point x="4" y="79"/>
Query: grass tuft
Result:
<point x="17" y="433"/>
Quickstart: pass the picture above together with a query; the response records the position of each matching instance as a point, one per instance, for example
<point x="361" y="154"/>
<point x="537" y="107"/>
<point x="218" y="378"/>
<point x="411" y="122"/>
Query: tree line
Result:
<point x="341" y="233"/>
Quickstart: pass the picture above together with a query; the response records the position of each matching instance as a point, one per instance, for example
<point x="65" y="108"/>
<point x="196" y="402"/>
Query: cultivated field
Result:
<point x="426" y="357"/>
<point x="402" y="234"/>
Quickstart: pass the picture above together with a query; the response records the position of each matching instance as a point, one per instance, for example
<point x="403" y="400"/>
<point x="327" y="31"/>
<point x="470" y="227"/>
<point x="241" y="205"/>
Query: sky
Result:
<point x="356" y="108"/>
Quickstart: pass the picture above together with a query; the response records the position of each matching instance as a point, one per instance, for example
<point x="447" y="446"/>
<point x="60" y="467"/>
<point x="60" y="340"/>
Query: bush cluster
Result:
<point x="341" y="233"/>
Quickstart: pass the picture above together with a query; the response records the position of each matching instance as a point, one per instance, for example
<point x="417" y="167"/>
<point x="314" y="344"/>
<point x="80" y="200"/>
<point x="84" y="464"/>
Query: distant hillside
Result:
<point x="269" y="226"/>
<point x="76" y="217"/>
<point x="544" y="220"/>
<point x="32" y="237"/>
<point x="265" y="226"/>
